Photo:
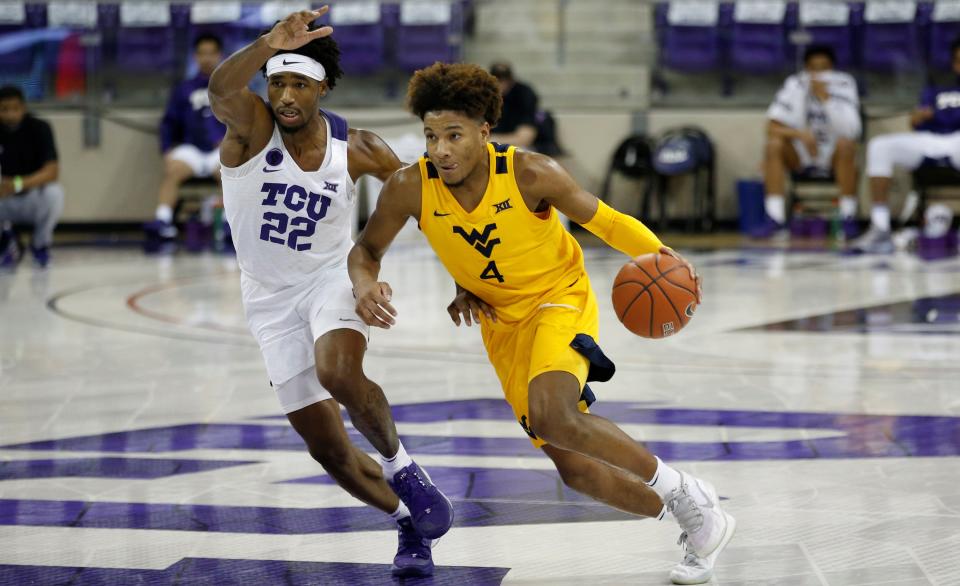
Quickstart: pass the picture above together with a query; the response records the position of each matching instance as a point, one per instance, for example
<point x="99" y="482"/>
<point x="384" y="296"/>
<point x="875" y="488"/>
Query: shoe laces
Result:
<point x="690" y="558"/>
<point x="410" y="540"/>
<point x="404" y="488"/>
<point x="685" y="509"/>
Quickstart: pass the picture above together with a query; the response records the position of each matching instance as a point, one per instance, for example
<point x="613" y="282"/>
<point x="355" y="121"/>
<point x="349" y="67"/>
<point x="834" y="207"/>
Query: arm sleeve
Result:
<point x="528" y="113"/>
<point x="48" y="144"/>
<point x="620" y="231"/>
<point x="788" y="105"/>
<point x="171" y="126"/>
<point x="843" y="107"/>
<point x="928" y="99"/>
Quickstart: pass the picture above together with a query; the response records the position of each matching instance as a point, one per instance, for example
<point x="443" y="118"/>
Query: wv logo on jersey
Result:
<point x="484" y="244"/>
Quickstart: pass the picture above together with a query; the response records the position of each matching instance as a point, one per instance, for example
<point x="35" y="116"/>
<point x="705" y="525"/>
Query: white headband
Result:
<point x="296" y="63"/>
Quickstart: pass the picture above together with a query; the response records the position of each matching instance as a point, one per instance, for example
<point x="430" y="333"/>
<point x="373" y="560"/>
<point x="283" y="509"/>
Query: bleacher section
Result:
<point x="135" y="48"/>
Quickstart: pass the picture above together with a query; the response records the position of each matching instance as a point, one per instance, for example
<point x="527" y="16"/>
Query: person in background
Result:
<point x="190" y="135"/>
<point x="29" y="192"/>
<point x="935" y="140"/>
<point x="518" y="121"/>
<point x="813" y="128"/>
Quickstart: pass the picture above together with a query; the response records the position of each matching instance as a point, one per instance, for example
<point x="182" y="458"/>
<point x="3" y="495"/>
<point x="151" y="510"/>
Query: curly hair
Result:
<point x="323" y="50"/>
<point x="460" y="87"/>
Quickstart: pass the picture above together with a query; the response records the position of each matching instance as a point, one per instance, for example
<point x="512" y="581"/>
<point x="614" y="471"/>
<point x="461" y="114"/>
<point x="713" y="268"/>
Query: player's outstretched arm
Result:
<point x="368" y="154"/>
<point x="399" y="200"/>
<point x="232" y="103"/>
<point x="540" y="178"/>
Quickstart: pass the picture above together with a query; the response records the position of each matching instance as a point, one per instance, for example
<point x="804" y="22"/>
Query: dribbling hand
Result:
<point x="373" y="305"/>
<point x="696" y="277"/>
<point x="292" y="32"/>
<point x="469" y="305"/>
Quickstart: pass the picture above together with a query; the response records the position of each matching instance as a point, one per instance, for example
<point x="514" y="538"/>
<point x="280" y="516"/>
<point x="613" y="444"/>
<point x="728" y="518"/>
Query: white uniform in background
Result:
<point x="839" y="117"/>
<point x="292" y="232"/>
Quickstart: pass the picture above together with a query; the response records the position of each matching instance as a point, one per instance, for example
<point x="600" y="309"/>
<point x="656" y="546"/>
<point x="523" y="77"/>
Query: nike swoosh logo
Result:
<point x="691" y="309"/>
<point x="350" y="319"/>
<point x="285" y="62"/>
<point x="438" y="214"/>
<point x="265" y="170"/>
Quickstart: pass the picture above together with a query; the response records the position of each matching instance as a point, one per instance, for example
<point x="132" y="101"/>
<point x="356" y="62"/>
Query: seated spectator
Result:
<point x="813" y="127"/>
<point x="29" y="192"/>
<point x="935" y="140"/>
<point x="518" y="118"/>
<point x="190" y="135"/>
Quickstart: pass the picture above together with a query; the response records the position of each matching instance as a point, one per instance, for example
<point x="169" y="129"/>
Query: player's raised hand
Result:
<point x="292" y="32"/>
<point x="671" y="252"/>
<point x="373" y="304"/>
<point x="469" y="306"/>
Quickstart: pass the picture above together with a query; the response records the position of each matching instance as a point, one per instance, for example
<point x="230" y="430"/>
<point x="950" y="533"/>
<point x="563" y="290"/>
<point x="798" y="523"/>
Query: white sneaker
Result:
<point x="695" y="506"/>
<point x="875" y="241"/>
<point x="692" y="569"/>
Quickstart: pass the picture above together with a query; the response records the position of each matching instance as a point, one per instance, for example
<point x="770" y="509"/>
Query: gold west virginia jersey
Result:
<point x="510" y="257"/>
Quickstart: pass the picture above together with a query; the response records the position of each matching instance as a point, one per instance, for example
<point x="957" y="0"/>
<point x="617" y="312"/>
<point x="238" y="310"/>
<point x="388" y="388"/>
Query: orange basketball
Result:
<point x="654" y="295"/>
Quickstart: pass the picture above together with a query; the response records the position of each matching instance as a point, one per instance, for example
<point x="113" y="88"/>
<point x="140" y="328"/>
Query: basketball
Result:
<point x="655" y="295"/>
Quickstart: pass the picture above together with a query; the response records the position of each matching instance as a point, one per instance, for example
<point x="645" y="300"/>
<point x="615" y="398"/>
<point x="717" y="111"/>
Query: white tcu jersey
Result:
<point x="287" y="224"/>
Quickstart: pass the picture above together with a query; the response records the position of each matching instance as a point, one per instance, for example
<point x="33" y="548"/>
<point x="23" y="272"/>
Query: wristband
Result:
<point x="17" y="183"/>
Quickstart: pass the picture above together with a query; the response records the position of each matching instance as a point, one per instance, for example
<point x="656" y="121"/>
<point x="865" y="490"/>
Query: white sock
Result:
<point x="395" y="463"/>
<point x="664" y="480"/>
<point x="401" y="513"/>
<point x="776" y="208"/>
<point x="848" y="206"/>
<point x="880" y="217"/>
<point x="664" y="515"/>
<point x="165" y="213"/>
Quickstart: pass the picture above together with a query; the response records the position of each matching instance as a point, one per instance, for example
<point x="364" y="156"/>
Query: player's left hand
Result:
<point x="696" y="277"/>
<point x="469" y="305"/>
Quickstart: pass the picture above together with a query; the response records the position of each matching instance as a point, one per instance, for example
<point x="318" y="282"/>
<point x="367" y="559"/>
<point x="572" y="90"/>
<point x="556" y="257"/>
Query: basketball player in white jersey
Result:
<point x="289" y="170"/>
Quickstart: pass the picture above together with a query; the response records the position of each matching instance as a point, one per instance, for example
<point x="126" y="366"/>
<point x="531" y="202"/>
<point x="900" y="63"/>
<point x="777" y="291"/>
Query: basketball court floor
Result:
<point x="141" y="444"/>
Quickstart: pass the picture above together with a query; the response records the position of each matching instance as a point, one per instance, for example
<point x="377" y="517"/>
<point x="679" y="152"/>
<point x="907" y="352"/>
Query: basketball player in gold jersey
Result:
<point x="490" y="213"/>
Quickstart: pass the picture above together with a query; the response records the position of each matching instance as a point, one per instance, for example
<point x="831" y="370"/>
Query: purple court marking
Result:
<point x="865" y="436"/>
<point x="928" y="315"/>
<point x="280" y="521"/>
<point x="142" y="468"/>
<point x="490" y="483"/>
<point x="226" y="571"/>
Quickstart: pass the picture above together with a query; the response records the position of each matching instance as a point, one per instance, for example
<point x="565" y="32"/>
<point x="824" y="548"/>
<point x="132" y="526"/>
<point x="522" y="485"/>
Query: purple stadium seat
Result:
<point x="421" y="42"/>
<point x="890" y="41"/>
<point x="26" y="49"/>
<point x="836" y="25"/>
<point x="688" y="41"/>
<point x="942" y="23"/>
<point x="758" y="37"/>
<point x="360" y="32"/>
<point x="141" y="46"/>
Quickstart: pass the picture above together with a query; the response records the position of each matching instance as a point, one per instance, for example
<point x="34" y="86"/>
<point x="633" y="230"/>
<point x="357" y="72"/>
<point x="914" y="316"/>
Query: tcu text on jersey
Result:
<point x="293" y="215"/>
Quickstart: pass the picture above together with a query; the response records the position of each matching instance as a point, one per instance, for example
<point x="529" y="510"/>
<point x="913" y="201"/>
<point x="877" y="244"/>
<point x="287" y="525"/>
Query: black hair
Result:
<point x="502" y="71"/>
<point x="323" y="50"/>
<point x="814" y="50"/>
<point x="458" y="87"/>
<point x="204" y="37"/>
<point x="955" y="46"/>
<point x="9" y="92"/>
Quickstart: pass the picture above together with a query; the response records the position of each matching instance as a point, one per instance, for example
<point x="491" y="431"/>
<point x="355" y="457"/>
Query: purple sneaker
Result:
<point x="414" y="557"/>
<point x="41" y="256"/>
<point x="850" y="229"/>
<point x="9" y="251"/>
<point x="431" y="511"/>
<point x="770" y="228"/>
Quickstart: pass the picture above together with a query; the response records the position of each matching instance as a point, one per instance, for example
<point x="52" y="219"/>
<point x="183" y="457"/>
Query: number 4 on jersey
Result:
<point x="491" y="272"/>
